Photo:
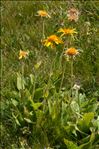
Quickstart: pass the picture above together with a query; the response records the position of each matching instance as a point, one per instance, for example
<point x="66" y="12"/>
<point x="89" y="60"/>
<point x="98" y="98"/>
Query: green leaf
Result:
<point x="20" y="82"/>
<point x="85" y="139"/>
<point x="89" y="105"/>
<point x="49" y="148"/>
<point x="46" y="93"/>
<point x="92" y="137"/>
<point x="16" y="120"/>
<point x="50" y="106"/>
<point x="54" y="109"/>
<point x="88" y="145"/>
<point x="64" y="113"/>
<point x="37" y="65"/>
<point x="40" y="121"/>
<point x="38" y="93"/>
<point x="35" y="105"/>
<point x="84" y="123"/>
<point x="96" y="123"/>
<point x="75" y="106"/>
<point x="88" y="117"/>
<point x="85" y="146"/>
<point x="32" y="78"/>
<point x="28" y="120"/>
<point x="69" y="129"/>
<point x="14" y="102"/>
<point x="70" y="144"/>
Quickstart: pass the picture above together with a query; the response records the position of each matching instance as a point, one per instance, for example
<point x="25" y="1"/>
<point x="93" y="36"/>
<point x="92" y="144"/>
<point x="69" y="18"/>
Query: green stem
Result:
<point x="22" y="80"/>
<point x="34" y="87"/>
<point x="60" y="60"/>
<point x="60" y="63"/>
<point x="22" y="74"/>
<point x="62" y="77"/>
<point x="71" y="74"/>
<point x="52" y="68"/>
<point x="78" y="98"/>
<point x="43" y="29"/>
<point x="34" y="84"/>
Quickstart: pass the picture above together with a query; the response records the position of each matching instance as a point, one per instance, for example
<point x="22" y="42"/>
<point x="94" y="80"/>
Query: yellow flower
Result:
<point x="43" y="13"/>
<point x="67" y="31"/>
<point x="71" y="51"/>
<point x="51" y="40"/>
<point x="23" y="54"/>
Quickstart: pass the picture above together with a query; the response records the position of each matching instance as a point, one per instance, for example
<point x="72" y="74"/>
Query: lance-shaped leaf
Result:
<point x="70" y="144"/>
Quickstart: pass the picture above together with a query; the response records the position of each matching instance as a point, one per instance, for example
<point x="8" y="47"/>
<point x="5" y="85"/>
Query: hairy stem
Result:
<point x="71" y="75"/>
<point x="43" y="29"/>
<point x="62" y="79"/>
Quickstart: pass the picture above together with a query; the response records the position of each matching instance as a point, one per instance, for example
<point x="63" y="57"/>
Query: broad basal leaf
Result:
<point x="32" y="78"/>
<point x="20" y="82"/>
<point x="84" y="123"/>
<point x="35" y="105"/>
<point x="70" y="144"/>
<point x="14" y="102"/>
<point x="75" y="106"/>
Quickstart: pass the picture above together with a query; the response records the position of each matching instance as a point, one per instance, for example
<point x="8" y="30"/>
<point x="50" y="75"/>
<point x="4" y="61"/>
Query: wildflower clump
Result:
<point x="51" y="40"/>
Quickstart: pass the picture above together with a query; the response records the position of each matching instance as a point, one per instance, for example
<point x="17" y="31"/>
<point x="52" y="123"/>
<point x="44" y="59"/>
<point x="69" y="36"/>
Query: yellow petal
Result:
<point x="48" y="44"/>
<point x="20" y="57"/>
<point x="60" y="30"/>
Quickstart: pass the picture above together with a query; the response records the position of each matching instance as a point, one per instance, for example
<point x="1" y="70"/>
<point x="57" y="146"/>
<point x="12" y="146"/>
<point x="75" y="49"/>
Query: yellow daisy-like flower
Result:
<point x="67" y="31"/>
<point x="43" y="13"/>
<point x="23" y="54"/>
<point x="51" y="40"/>
<point x="71" y="51"/>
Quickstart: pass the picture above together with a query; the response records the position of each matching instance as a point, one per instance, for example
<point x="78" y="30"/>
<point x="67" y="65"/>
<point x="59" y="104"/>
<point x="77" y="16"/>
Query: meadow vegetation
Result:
<point x="49" y="75"/>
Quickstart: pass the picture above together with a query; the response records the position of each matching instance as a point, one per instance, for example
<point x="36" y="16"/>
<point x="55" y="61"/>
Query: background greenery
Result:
<point x="41" y="116"/>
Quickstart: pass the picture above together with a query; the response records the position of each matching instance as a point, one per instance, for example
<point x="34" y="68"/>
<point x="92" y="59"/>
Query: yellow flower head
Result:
<point x="73" y="14"/>
<point x="23" y="54"/>
<point x="43" y="13"/>
<point x="67" y="31"/>
<point x="51" y="40"/>
<point x="71" y="52"/>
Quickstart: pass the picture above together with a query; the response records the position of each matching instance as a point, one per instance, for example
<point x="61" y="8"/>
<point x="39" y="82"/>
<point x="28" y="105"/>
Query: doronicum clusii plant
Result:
<point x="71" y="53"/>
<point x="40" y="111"/>
<point x="29" y="114"/>
<point x="68" y="36"/>
<point x="43" y="14"/>
<point x="20" y="76"/>
<point x="48" y="117"/>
